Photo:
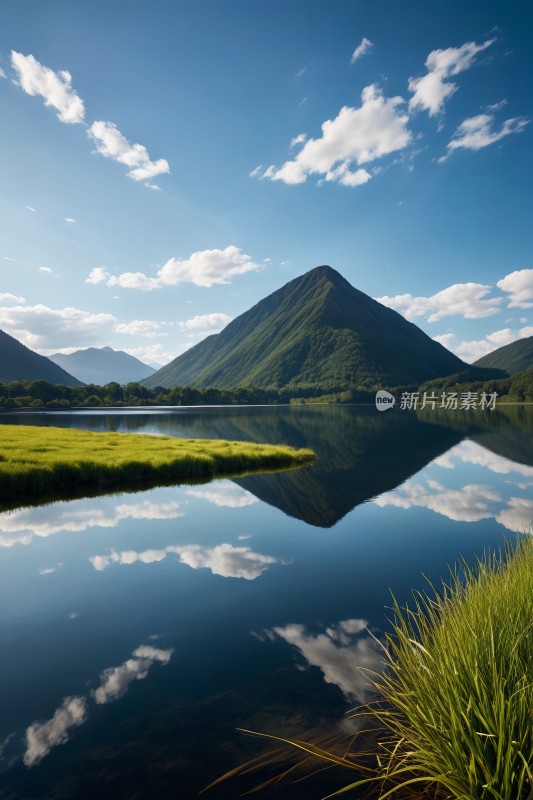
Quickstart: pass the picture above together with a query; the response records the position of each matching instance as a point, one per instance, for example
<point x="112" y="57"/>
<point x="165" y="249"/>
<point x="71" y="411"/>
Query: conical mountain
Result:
<point x="317" y="331"/>
<point x="19" y="363"/>
<point x="513" y="358"/>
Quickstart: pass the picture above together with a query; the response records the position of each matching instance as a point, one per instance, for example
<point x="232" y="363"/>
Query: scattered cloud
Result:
<point x="469" y="504"/>
<point x="45" y="269"/>
<point x="70" y="221"/>
<point x="153" y="186"/>
<point x="41" y="737"/>
<point x="300" y="139"/>
<point x="54" y="87"/>
<point x="518" y="515"/>
<point x="115" y="681"/>
<point x="206" y="323"/>
<point x="469" y="452"/>
<point x="341" y="653"/>
<point x="478" y="132"/>
<point x="2" y="73"/>
<point x="519" y="285"/>
<point x="31" y="208"/>
<point x="356" y="136"/>
<point x="23" y="525"/>
<point x="467" y="299"/>
<point x="224" y="494"/>
<point x="203" y="268"/>
<point x="224" y="559"/>
<point x="432" y="90"/>
<point x="153" y="354"/>
<point x="364" y="46"/>
<point x="255" y="172"/>
<point x="43" y="328"/>
<point x="8" y="299"/>
<point x="50" y="570"/>
<point x="112" y="144"/>
<point x="97" y="275"/>
<point x="471" y="350"/>
<point x="139" y="327"/>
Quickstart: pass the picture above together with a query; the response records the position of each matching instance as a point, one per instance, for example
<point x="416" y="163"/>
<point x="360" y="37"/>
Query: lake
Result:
<point x="140" y="630"/>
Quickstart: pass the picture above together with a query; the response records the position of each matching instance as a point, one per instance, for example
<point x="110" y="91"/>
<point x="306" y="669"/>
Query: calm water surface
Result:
<point x="140" y="630"/>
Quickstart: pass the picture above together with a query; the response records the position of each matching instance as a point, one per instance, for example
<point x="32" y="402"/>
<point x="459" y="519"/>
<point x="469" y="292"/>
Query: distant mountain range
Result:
<point x="18" y="363"/>
<point x="317" y="331"/>
<point x="512" y="358"/>
<point x="103" y="365"/>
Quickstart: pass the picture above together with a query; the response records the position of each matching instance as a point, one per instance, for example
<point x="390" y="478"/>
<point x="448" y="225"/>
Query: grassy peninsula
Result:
<point x="37" y="461"/>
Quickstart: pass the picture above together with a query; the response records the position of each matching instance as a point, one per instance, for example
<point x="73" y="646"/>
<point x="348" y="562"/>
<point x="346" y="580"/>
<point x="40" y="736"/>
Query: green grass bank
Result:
<point x="37" y="461"/>
<point x="453" y="714"/>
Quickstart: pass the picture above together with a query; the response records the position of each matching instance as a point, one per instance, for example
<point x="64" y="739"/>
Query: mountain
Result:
<point x="514" y="357"/>
<point x="316" y="331"/>
<point x="103" y="365"/>
<point x="19" y="363"/>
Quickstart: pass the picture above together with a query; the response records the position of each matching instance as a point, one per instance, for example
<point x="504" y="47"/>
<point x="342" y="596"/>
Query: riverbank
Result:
<point x="36" y="461"/>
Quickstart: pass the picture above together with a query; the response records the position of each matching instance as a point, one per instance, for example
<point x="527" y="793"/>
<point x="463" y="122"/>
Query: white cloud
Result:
<point x="153" y="186"/>
<point x="363" y="47"/>
<point x="207" y="323"/>
<point x="224" y="559"/>
<point x="43" y="328"/>
<point x="467" y="299"/>
<point x="2" y="73"/>
<point x="342" y="658"/>
<point x="97" y="275"/>
<point x="22" y="525"/>
<point x="471" y="350"/>
<point x="300" y="139"/>
<point x="224" y="494"/>
<point x="355" y="136"/>
<point x="50" y="570"/>
<point x="153" y="354"/>
<point x="477" y="132"/>
<point x="32" y="209"/>
<point x="115" y="681"/>
<point x="470" y="452"/>
<point x="112" y="144"/>
<point x="41" y="737"/>
<point x="8" y="299"/>
<point x="139" y="327"/>
<point x="469" y="504"/>
<point x="203" y="268"/>
<point x="518" y="516"/>
<point x="54" y="87"/>
<point x="519" y="285"/>
<point x="70" y="220"/>
<point x="431" y="90"/>
<point x="45" y="269"/>
<point x="255" y="172"/>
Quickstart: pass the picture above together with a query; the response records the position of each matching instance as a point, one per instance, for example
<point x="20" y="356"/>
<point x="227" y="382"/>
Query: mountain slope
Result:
<point x="315" y="331"/>
<point x="514" y="357"/>
<point x="19" y="363"/>
<point x="102" y="366"/>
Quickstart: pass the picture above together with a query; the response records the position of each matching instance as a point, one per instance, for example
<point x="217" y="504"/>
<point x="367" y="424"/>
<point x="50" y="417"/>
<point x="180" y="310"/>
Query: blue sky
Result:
<point x="165" y="165"/>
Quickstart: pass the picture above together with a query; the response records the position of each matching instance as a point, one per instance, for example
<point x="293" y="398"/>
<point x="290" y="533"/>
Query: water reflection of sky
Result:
<point x="442" y="487"/>
<point x="233" y="597"/>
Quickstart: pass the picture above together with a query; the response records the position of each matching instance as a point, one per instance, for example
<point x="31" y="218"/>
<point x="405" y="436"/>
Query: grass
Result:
<point x="455" y="702"/>
<point x="37" y="461"/>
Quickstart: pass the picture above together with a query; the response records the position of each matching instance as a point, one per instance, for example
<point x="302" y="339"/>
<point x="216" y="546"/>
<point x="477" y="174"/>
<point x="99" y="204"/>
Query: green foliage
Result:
<point x="513" y="389"/>
<point x="512" y="358"/>
<point x="455" y="701"/>
<point x="41" y="460"/>
<point x="316" y="333"/>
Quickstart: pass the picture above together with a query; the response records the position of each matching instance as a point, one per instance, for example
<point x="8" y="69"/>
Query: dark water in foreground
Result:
<point x="139" y="631"/>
